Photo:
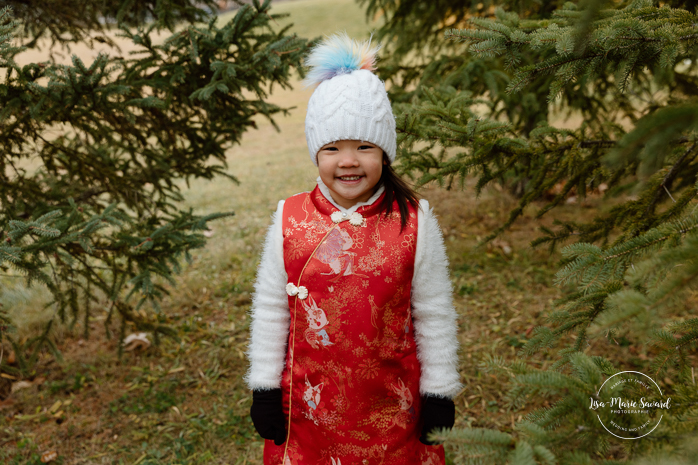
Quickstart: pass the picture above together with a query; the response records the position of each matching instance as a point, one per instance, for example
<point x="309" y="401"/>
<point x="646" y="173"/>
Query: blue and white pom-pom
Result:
<point x="337" y="55"/>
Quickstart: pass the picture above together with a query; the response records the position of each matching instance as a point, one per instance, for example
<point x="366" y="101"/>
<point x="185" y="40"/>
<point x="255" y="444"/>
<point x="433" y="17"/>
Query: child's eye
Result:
<point x="330" y="149"/>
<point x="365" y="147"/>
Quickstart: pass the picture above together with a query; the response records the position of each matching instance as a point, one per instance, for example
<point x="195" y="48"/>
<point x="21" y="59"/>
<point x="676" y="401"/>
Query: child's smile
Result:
<point x="351" y="170"/>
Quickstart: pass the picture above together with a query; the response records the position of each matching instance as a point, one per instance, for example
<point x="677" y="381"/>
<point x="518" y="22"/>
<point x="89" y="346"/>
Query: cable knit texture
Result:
<point x="352" y="106"/>
<point x="432" y="310"/>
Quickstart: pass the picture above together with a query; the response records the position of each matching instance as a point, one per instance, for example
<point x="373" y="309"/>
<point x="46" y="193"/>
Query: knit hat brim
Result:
<point x="352" y="106"/>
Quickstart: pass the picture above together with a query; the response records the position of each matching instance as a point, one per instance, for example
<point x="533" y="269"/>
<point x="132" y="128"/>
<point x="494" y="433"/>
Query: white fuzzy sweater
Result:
<point x="433" y="314"/>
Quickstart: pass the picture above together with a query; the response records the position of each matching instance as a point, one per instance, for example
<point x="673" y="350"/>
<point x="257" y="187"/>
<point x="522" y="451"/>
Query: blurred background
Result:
<point x="146" y="144"/>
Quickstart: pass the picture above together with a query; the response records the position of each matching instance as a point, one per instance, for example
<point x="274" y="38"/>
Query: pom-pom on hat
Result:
<point x="350" y="102"/>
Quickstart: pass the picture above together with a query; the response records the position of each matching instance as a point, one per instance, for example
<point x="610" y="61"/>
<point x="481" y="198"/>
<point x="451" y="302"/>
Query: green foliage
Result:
<point x="94" y="154"/>
<point x="618" y="42"/>
<point x="419" y="58"/>
<point x="151" y="400"/>
<point x="486" y="87"/>
<point x="567" y="431"/>
<point x="57" y="20"/>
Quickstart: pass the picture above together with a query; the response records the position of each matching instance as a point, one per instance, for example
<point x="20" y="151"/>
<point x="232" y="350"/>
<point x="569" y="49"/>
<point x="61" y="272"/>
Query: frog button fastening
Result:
<point x="300" y="291"/>
<point x="355" y="219"/>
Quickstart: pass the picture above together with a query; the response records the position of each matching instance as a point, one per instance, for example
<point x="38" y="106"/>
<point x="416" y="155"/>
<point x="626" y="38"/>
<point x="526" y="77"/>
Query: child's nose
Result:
<point x="348" y="158"/>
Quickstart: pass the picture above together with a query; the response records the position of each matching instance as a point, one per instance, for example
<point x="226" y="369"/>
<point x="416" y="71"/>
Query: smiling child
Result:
<point x="353" y="348"/>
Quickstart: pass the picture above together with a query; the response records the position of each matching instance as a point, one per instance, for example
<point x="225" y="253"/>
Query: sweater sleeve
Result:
<point x="271" y="319"/>
<point x="435" y="320"/>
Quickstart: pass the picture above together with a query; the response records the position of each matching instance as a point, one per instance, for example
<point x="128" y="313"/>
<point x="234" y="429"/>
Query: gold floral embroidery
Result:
<point x="368" y="369"/>
<point x="383" y="411"/>
<point x="297" y="248"/>
<point x="373" y="260"/>
<point x="358" y="240"/>
<point x="376" y="453"/>
<point x="359" y="352"/>
<point x="408" y="242"/>
<point x="376" y="238"/>
<point x="340" y="403"/>
<point x="361" y="435"/>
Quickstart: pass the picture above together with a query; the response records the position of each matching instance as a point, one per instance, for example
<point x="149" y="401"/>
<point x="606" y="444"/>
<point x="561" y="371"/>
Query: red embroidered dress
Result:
<point x="351" y="382"/>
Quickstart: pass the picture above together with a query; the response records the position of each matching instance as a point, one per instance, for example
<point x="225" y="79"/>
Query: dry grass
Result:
<point x="184" y="401"/>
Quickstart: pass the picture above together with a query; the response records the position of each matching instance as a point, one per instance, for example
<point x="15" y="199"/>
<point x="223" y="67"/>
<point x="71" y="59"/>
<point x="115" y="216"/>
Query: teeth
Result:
<point x="350" y="178"/>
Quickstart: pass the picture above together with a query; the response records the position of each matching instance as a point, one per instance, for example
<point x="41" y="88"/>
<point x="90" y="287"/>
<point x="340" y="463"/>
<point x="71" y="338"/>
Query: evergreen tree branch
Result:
<point x="669" y="178"/>
<point x="98" y="215"/>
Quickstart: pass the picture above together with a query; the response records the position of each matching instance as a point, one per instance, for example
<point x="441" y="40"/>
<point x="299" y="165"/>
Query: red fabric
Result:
<point x="351" y="382"/>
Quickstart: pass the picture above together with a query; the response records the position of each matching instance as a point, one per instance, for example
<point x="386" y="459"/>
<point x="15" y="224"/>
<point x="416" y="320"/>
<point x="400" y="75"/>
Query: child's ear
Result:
<point x="385" y="158"/>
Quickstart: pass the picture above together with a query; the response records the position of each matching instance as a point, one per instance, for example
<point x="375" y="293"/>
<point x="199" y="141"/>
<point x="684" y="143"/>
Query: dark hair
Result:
<point x="396" y="189"/>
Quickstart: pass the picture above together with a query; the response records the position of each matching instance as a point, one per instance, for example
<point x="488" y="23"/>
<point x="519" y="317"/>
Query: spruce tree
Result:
<point x="93" y="154"/>
<point x="628" y="70"/>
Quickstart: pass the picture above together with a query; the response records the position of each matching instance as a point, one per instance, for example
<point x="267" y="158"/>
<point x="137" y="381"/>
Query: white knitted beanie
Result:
<point x="350" y="103"/>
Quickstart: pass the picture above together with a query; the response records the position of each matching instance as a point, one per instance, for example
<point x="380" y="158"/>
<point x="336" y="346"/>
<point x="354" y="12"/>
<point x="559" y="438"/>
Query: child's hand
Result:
<point x="268" y="416"/>
<point x="437" y="413"/>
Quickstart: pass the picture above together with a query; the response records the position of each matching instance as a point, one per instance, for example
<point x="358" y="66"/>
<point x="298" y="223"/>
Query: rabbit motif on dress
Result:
<point x="406" y="414"/>
<point x="317" y="321"/>
<point x="311" y="397"/>
<point x="430" y="457"/>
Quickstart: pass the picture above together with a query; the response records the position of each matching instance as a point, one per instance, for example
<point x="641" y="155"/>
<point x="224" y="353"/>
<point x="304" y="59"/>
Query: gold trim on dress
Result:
<point x="293" y="338"/>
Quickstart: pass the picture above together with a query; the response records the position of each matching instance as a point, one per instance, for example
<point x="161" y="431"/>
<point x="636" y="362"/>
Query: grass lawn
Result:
<point x="184" y="401"/>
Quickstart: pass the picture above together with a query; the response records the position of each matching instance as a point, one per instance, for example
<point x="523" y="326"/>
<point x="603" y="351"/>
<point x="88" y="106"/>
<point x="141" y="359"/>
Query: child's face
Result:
<point x="351" y="170"/>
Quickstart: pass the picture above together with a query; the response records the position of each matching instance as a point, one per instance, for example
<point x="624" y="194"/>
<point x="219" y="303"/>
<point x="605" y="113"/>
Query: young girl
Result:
<point x="353" y="337"/>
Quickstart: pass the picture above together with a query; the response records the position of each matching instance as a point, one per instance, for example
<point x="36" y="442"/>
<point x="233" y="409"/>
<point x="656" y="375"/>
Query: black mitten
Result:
<point x="437" y="412"/>
<point x="268" y="415"/>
